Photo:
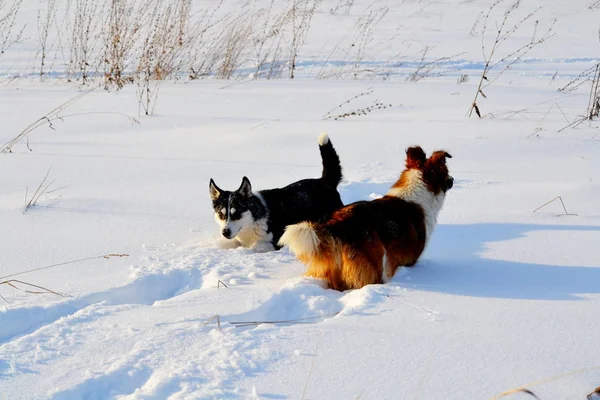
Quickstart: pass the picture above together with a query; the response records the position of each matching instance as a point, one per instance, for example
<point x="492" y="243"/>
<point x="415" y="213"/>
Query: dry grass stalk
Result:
<point x="42" y="189"/>
<point x="8" y="24"/>
<point x="426" y="69"/>
<point x="165" y="39"/>
<point x="46" y="119"/>
<point x="105" y="256"/>
<point x="233" y="45"/>
<point x="204" y="53"/>
<point x="592" y="75"/>
<point x="503" y="32"/>
<point x="268" y="41"/>
<point x="366" y="93"/>
<point x="305" y="320"/>
<point x="213" y="318"/>
<point x="84" y="33"/>
<point x="579" y="80"/>
<point x="11" y="282"/>
<point x="342" y="7"/>
<point x="365" y="26"/>
<point x="462" y="79"/>
<point x="302" y="13"/>
<point x="594" y="101"/>
<point x="377" y="105"/>
<point x="44" y="24"/>
<point x="561" y="202"/>
<point x="349" y="54"/>
<point x="121" y="33"/>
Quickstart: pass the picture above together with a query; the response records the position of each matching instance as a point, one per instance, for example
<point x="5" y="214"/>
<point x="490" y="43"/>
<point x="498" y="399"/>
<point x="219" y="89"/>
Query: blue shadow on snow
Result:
<point x="452" y="264"/>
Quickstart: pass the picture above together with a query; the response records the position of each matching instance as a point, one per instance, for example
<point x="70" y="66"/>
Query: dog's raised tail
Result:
<point x="302" y="239"/>
<point x="332" y="169"/>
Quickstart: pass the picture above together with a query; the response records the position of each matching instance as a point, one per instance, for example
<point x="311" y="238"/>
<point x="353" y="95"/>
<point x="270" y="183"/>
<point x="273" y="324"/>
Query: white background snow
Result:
<point x="502" y="297"/>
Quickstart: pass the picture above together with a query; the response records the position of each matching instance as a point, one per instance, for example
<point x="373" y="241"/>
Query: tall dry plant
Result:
<point x="504" y="31"/>
<point x="347" y="59"/>
<point x="121" y="34"/>
<point x="268" y="41"/>
<point x="46" y="19"/>
<point x="302" y="12"/>
<point x="10" y="32"/>
<point x="85" y="26"/>
<point x="232" y="46"/>
<point x="158" y="58"/>
<point x="203" y="55"/>
<point x="594" y="102"/>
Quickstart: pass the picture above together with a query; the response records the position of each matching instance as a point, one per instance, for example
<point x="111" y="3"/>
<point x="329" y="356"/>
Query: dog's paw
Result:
<point x="263" y="247"/>
<point x="227" y="244"/>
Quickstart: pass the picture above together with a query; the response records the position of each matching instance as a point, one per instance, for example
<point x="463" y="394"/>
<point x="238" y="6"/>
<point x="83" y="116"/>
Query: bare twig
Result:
<point x="107" y="256"/>
<point x="7" y="25"/>
<point x="219" y="283"/>
<point x="12" y="283"/>
<point x="594" y="102"/>
<point x="286" y="321"/>
<point x="46" y="119"/>
<point x="579" y="80"/>
<point x="211" y="319"/>
<point x="503" y="32"/>
<point x="39" y="192"/>
<point x="367" y="92"/>
<point x="561" y="202"/>
<point x="376" y="105"/>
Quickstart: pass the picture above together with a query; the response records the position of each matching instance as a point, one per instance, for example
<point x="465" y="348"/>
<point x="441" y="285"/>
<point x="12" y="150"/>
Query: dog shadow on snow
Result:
<point x="452" y="264"/>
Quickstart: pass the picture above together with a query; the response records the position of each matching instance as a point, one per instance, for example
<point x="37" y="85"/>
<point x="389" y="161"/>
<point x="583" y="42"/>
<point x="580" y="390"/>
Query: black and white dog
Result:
<point x="257" y="219"/>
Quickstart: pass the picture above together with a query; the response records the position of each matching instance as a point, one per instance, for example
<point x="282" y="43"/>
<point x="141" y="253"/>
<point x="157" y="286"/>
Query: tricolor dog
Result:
<point x="257" y="220"/>
<point x="365" y="242"/>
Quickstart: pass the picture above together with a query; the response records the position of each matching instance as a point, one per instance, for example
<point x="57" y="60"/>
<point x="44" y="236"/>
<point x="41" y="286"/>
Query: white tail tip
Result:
<point x="300" y="238"/>
<point x="323" y="139"/>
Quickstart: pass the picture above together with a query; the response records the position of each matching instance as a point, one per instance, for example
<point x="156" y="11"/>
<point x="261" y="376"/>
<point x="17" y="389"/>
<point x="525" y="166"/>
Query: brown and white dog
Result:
<point x="365" y="242"/>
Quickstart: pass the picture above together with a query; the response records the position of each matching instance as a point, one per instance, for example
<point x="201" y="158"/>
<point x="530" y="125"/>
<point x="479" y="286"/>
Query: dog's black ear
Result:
<point x="245" y="188"/>
<point x="214" y="190"/>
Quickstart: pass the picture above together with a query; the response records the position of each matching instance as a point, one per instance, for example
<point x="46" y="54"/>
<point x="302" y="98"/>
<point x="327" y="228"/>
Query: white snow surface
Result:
<point x="502" y="297"/>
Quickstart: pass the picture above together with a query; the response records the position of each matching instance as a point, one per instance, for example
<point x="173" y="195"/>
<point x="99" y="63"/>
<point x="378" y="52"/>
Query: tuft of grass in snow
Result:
<point x="42" y="189"/>
<point x="376" y="105"/>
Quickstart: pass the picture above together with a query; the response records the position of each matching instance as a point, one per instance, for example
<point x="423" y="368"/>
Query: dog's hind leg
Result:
<point x="359" y="269"/>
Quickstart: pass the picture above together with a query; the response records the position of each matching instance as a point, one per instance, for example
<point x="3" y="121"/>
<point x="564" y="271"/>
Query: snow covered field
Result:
<point x="502" y="297"/>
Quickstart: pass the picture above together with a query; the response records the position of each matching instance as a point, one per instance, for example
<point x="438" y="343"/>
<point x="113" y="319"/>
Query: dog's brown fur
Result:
<point x="359" y="241"/>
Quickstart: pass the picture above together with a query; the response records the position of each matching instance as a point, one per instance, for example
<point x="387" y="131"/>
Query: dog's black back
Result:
<point x="311" y="200"/>
<point x="306" y="200"/>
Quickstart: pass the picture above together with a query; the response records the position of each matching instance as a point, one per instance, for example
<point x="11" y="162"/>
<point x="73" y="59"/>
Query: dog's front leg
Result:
<point x="263" y="247"/>
<point x="227" y="244"/>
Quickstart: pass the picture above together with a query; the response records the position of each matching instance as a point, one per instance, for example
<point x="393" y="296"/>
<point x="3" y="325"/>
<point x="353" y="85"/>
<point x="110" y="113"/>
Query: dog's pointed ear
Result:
<point x="415" y="157"/>
<point x="214" y="190"/>
<point x="245" y="188"/>
<point x="439" y="156"/>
